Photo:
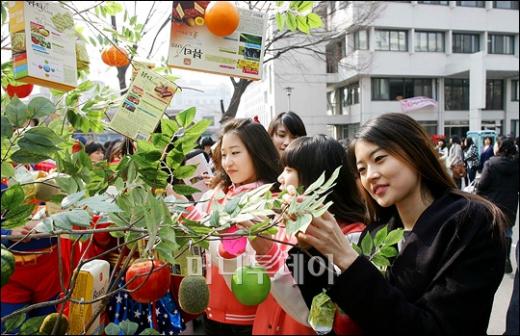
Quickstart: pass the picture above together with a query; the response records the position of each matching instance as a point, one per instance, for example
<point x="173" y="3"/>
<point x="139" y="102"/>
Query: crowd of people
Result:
<point x="456" y="245"/>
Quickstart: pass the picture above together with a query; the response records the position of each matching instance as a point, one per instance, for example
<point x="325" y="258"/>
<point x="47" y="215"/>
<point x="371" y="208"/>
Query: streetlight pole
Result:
<point x="289" y="91"/>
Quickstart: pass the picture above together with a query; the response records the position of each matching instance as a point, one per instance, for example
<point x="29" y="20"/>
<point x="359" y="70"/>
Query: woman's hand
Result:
<point x="261" y="245"/>
<point x="325" y="235"/>
<point x="24" y="230"/>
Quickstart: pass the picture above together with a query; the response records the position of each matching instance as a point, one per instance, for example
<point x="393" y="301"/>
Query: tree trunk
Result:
<point x="121" y="75"/>
<point x="239" y="89"/>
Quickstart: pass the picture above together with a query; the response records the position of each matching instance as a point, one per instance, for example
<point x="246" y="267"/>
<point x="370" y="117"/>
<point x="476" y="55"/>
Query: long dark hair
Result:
<point x="259" y="146"/>
<point x="291" y="121"/>
<point x="94" y="147"/>
<point x="506" y="146"/>
<point x="404" y="138"/>
<point x="311" y="156"/>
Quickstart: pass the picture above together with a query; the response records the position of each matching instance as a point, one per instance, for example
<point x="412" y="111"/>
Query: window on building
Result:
<point x="466" y="43"/>
<point x="347" y="131"/>
<point x="501" y="44"/>
<point x="350" y="95"/>
<point x="361" y="40"/>
<point x="456" y="127"/>
<point x="456" y="94"/>
<point x="480" y="4"/>
<point x="399" y="88"/>
<point x="393" y="40"/>
<point x="514" y="90"/>
<point x="335" y="52"/>
<point x="429" y="41"/>
<point x="430" y="126"/>
<point x="505" y="4"/>
<point x="494" y="94"/>
<point x="444" y="3"/>
<point x="332" y="107"/>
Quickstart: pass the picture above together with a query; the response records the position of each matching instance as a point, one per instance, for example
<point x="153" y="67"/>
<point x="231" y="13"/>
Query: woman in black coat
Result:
<point x="499" y="184"/>
<point x="451" y="262"/>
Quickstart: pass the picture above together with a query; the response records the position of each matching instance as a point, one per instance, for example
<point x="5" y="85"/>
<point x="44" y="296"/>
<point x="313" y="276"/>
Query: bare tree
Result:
<point x="281" y="43"/>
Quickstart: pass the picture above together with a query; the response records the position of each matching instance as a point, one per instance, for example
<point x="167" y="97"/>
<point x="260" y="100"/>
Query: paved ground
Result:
<point x="497" y="322"/>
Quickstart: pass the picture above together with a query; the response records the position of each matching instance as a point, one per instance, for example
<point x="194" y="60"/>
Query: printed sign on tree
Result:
<point x="194" y="47"/>
<point x="44" y="48"/>
<point x="148" y="97"/>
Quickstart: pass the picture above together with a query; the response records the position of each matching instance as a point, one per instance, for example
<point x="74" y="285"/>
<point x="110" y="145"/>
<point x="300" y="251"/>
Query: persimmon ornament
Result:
<point x="222" y="18"/>
<point x="148" y="280"/>
<point x="115" y="56"/>
<point x="21" y="91"/>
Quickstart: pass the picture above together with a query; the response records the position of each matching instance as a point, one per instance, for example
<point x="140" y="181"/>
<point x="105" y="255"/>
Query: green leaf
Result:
<point x="67" y="184"/>
<point x="32" y="325"/>
<point x="199" y="128"/>
<point x="380" y="261"/>
<point x="41" y="107"/>
<point x="357" y="249"/>
<point x="128" y="327"/>
<point x="314" y="21"/>
<point x="185" y="189"/>
<point x="367" y="244"/>
<point x="301" y="224"/>
<point x="112" y="8"/>
<point x="72" y="199"/>
<point x="232" y="204"/>
<point x="112" y="329"/>
<point x="100" y="203"/>
<point x="12" y="197"/>
<point x="380" y="236"/>
<point x="185" y="117"/>
<point x="16" y="112"/>
<point x="291" y="21"/>
<point x="66" y="219"/>
<point x="214" y="219"/>
<point x="185" y="171"/>
<point x="279" y="3"/>
<point x="388" y="251"/>
<point x="305" y="6"/>
<point x="17" y="216"/>
<point x="280" y="21"/>
<point x="330" y="182"/>
<point x="14" y="322"/>
<point x="149" y="331"/>
<point x="302" y="24"/>
<point x="394" y="237"/>
<point x="7" y="128"/>
<point x="168" y="127"/>
<point x="7" y="169"/>
<point x="24" y="156"/>
<point x="40" y="140"/>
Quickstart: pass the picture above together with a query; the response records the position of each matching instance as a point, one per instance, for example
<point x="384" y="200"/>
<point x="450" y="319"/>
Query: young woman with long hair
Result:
<point x="451" y="261"/>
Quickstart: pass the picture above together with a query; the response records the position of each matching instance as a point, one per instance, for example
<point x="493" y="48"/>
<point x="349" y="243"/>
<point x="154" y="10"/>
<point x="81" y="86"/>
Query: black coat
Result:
<point x="499" y="184"/>
<point x="442" y="282"/>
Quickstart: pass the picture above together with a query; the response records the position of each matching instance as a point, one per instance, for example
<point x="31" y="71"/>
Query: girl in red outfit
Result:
<point x="285" y="311"/>
<point x="248" y="160"/>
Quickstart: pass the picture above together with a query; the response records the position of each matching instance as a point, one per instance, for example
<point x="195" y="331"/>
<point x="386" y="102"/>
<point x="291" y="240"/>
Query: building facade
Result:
<point x="463" y="54"/>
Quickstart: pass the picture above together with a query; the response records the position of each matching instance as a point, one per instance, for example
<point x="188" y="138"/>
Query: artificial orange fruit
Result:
<point x="113" y="56"/>
<point x="222" y="18"/>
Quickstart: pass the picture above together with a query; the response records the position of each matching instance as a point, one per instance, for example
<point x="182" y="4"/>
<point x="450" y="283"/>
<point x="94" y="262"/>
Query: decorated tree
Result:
<point x="129" y="195"/>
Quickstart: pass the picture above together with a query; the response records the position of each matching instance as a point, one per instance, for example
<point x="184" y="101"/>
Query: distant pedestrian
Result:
<point x="487" y="152"/>
<point x="471" y="159"/>
<point x="499" y="184"/>
<point x="286" y="127"/>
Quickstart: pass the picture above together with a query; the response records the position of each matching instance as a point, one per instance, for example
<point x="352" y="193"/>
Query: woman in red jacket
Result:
<point x="285" y="311"/>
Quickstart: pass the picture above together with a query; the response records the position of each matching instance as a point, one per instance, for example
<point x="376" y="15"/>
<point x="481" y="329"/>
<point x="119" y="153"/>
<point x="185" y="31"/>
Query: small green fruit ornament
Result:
<point x="193" y="294"/>
<point x="7" y="265"/>
<point x="250" y="285"/>
<point x="50" y="320"/>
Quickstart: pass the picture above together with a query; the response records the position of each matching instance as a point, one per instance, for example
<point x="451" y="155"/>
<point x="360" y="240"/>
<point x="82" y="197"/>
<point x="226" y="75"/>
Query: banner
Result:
<point x="44" y="44"/>
<point x="194" y="47"/>
<point x="148" y="97"/>
<point x="416" y="103"/>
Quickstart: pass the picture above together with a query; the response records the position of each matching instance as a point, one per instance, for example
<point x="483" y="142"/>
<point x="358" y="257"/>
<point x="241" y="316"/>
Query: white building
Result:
<point x="205" y="96"/>
<point x="297" y="81"/>
<point x="464" y="54"/>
